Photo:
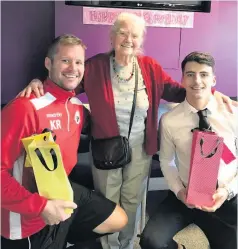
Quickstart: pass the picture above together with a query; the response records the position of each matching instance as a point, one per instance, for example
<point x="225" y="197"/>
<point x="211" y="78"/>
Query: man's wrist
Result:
<point x="230" y="193"/>
<point x="181" y="194"/>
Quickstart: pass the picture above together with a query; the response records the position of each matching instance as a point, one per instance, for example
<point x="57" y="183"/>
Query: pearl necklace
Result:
<point x="117" y="74"/>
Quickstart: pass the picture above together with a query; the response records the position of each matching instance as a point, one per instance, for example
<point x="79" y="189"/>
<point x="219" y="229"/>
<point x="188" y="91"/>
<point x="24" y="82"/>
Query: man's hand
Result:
<point x="182" y="195"/>
<point x="224" y="101"/>
<point x="219" y="198"/>
<point x="35" y="86"/>
<point x="54" y="211"/>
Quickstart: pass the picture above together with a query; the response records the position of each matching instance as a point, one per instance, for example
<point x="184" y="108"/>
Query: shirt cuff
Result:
<point x="177" y="186"/>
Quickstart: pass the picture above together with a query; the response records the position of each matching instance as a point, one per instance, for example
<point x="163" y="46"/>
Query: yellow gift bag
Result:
<point x="44" y="156"/>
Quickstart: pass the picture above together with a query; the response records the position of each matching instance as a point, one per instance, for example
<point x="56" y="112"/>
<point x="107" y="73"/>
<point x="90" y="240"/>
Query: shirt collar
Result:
<point x="50" y="86"/>
<point x="211" y="106"/>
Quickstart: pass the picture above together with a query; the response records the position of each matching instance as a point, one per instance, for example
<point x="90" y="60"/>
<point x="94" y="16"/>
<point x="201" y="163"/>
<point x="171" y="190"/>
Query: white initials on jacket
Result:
<point x="55" y="124"/>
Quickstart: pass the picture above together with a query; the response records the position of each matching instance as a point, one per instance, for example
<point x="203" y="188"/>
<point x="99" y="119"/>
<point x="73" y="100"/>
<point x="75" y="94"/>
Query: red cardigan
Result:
<point x="98" y="87"/>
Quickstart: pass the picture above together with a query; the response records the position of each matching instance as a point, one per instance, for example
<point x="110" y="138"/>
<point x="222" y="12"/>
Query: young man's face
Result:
<point x="67" y="67"/>
<point x="198" y="79"/>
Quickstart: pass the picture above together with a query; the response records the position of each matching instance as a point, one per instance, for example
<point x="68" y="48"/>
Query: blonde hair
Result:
<point x="65" y="40"/>
<point x="126" y="17"/>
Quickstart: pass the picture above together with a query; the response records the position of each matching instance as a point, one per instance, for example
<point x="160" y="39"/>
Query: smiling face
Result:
<point x="66" y="69"/>
<point x="198" y="79"/>
<point x="128" y="38"/>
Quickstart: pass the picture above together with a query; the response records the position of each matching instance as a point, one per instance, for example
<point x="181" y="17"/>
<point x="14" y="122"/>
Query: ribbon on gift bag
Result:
<point x="44" y="156"/>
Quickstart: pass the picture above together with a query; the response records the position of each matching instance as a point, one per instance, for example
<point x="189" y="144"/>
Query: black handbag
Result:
<point x="114" y="152"/>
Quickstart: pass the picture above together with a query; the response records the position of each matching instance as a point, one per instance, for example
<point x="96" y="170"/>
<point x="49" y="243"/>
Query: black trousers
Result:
<point x="172" y="216"/>
<point x="93" y="209"/>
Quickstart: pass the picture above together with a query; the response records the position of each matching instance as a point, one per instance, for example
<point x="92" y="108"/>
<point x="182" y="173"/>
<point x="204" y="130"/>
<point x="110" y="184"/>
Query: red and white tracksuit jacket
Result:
<point x="59" y="111"/>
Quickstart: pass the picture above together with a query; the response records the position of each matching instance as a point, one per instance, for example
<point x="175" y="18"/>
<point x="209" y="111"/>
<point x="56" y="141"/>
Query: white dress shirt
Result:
<point x="176" y="141"/>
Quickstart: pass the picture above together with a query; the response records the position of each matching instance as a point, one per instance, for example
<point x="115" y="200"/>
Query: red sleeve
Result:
<point x="173" y="91"/>
<point x="19" y="120"/>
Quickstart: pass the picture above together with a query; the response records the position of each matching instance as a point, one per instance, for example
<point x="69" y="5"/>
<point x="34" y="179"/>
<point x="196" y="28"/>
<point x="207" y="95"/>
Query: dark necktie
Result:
<point x="203" y="121"/>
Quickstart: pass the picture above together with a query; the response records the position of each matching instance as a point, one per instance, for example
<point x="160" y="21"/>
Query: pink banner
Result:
<point x="153" y="18"/>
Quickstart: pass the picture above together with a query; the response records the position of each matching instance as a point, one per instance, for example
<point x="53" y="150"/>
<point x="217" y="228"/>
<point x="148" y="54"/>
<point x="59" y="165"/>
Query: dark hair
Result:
<point x="65" y="40"/>
<point x="199" y="57"/>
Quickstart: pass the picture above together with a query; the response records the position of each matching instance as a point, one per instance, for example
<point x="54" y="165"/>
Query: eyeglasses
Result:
<point x="126" y="34"/>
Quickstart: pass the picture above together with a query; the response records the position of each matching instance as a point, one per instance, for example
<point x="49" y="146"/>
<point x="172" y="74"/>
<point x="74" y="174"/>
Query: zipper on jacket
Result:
<point x="68" y="117"/>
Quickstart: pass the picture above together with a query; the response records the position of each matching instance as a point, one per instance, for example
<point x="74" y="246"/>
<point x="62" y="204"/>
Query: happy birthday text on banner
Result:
<point x="153" y="18"/>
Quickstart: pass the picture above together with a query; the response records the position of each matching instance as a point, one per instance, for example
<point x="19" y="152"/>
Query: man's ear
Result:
<point x="48" y="63"/>
<point x="214" y="81"/>
<point x="182" y="81"/>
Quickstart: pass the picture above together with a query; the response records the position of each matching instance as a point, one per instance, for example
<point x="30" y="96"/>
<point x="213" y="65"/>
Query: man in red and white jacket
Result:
<point x="28" y="219"/>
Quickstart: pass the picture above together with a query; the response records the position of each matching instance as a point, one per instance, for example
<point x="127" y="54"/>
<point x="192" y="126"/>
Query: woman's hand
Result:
<point x="35" y="86"/>
<point x="225" y="102"/>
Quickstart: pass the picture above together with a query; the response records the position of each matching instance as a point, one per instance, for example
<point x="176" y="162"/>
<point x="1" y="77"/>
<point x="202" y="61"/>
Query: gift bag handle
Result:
<point x="213" y="152"/>
<point x="49" y="130"/>
<point x="41" y="158"/>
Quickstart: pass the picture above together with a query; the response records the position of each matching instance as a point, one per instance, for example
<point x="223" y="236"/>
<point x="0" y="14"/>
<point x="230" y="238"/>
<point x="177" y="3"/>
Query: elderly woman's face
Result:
<point x="127" y="39"/>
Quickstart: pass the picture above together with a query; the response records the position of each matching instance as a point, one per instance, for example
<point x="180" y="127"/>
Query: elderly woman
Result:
<point x="109" y="82"/>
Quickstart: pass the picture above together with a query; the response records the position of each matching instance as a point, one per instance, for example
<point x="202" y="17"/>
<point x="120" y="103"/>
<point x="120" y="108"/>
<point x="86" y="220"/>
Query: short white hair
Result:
<point x="131" y="18"/>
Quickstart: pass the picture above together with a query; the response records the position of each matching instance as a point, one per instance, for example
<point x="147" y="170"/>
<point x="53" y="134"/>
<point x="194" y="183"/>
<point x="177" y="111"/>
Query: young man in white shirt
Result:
<point x="219" y="222"/>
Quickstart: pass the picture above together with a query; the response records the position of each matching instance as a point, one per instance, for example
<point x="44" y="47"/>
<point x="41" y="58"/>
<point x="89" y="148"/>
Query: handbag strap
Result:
<point x="134" y="101"/>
